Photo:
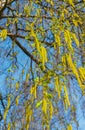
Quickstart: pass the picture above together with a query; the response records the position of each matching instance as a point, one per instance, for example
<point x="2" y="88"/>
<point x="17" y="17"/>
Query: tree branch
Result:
<point x="25" y="51"/>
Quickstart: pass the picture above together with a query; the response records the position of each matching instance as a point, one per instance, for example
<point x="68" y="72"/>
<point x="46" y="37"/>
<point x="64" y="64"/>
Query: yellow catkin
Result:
<point x="7" y="108"/>
<point x="37" y="44"/>
<point x="71" y="2"/>
<point x="72" y="66"/>
<point x="64" y="60"/>
<point x="9" y="126"/>
<point x="65" y="104"/>
<point x="67" y="36"/>
<point x="17" y="86"/>
<point x="3" y="34"/>
<point x="68" y="39"/>
<point x="28" y="116"/>
<point x="43" y="54"/>
<point x="57" y="39"/>
<point x="17" y="100"/>
<point x="44" y="105"/>
<point x="62" y="16"/>
<point x="75" y="22"/>
<point x="75" y="39"/>
<point x="51" y="110"/>
<point x="66" y="96"/>
<point x="68" y="101"/>
<point x="40" y="49"/>
<point x="27" y="113"/>
<point x="32" y="33"/>
<point x="82" y="73"/>
<point x="27" y="126"/>
<point x="69" y="127"/>
<point x="57" y="87"/>
<point x="5" y="114"/>
<point x="54" y="45"/>
<point x="33" y="91"/>
<point x="9" y="101"/>
<point x="27" y="77"/>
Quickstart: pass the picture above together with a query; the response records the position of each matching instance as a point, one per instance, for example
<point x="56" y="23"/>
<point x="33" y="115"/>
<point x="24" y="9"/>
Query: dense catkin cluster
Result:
<point x="41" y="50"/>
<point x="74" y="70"/>
<point x="69" y="38"/>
